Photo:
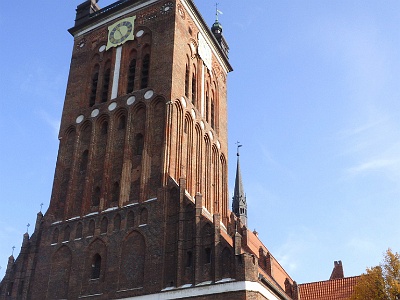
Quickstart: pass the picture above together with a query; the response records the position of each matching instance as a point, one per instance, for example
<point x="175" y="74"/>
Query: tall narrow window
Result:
<point x="194" y="89"/>
<point x="106" y="85"/>
<point x="131" y="76"/>
<point x="207" y="253"/>
<point x="84" y="162"/>
<point x="130" y="220"/>
<point x="139" y="144"/>
<point x="93" y="88"/>
<point x="189" y="259"/>
<point x="207" y="106"/>
<point x="145" y="71"/>
<point x="121" y="122"/>
<point x="104" y="225"/>
<point x="187" y="81"/>
<point x="115" y="192"/>
<point x="96" y="266"/>
<point x="96" y="196"/>
<point x="212" y="114"/>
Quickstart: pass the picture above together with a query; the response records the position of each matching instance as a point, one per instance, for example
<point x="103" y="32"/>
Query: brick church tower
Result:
<point x="139" y="207"/>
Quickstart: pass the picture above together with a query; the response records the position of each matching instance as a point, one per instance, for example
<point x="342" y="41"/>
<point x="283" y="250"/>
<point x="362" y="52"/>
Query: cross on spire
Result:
<point x="13" y="247"/>
<point x="27" y="228"/>
<point x="41" y="205"/>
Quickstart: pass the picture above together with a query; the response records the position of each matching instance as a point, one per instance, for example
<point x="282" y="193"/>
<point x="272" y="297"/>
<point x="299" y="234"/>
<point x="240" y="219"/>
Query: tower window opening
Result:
<point x="96" y="266"/>
<point x="93" y="91"/>
<point x="131" y="76"/>
<point x="139" y="144"/>
<point x="84" y="161"/>
<point x="115" y="192"/>
<point x="9" y="288"/>
<point x="104" y="128"/>
<point x="106" y="85"/>
<point x="189" y="259"/>
<point x="207" y="253"/>
<point x="96" y="196"/>
<point x="187" y="81"/>
<point x="145" y="71"/>
<point x="122" y="122"/>
<point x="212" y="114"/>
<point x="194" y="89"/>
<point x="207" y="108"/>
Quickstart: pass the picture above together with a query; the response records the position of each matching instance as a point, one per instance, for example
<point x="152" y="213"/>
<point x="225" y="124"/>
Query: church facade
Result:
<point x="139" y="206"/>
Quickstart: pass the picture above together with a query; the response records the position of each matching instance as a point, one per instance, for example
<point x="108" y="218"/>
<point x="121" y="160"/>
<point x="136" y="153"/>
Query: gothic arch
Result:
<point x="137" y="149"/>
<point x="133" y="259"/>
<point x="59" y="274"/>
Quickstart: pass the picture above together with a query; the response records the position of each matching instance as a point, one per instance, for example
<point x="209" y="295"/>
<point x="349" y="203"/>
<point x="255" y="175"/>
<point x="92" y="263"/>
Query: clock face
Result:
<point x="120" y="32"/>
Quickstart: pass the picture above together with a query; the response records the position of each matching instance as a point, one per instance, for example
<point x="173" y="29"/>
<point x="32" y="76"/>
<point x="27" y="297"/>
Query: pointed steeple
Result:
<point x="239" y="204"/>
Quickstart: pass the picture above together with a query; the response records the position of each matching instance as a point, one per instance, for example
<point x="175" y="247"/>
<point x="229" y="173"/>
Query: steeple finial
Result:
<point x="239" y="205"/>
<point x="217" y="12"/>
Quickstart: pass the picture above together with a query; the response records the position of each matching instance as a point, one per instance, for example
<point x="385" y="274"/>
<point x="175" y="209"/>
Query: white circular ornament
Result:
<point x="102" y="48"/>
<point x="202" y="125"/>
<point x="193" y="114"/>
<point x="79" y="119"/>
<point x="131" y="100"/>
<point x="139" y="33"/>
<point x="95" y="113"/>
<point x="211" y="135"/>
<point x="148" y="94"/>
<point x="112" y="106"/>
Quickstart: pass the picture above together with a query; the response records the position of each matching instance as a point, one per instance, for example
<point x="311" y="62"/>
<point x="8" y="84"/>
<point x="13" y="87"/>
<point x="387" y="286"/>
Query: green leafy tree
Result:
<point x="381" y="282"/>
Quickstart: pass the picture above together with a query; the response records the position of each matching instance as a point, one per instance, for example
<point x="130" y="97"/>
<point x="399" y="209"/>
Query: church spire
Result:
<point x="239" y="205"/>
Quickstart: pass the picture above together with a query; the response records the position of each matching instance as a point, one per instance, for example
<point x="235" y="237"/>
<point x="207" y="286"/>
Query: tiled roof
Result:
<point x="335" y="289"/>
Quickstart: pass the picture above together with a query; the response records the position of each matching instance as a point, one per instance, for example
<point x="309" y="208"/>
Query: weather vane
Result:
<point x="13" y="247"/>
<point x="41" y="205"/>
<point x="27" y="227"/>
<point x="217" y="11"/>
<point x="238" y="146"/>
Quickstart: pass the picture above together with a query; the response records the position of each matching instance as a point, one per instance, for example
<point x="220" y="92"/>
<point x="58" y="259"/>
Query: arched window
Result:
<point x="117" y="222"/>
<point x="91" y="228"/>
<point x="139" y="144"/>
<point x="96" y="196"/>
<point x="121" y="122"/>
<point x="145" y="71"/>
<point x="187" y="81"/>
<point x="130" y="220"/>
<point x="194" y="89"/>
<point x="106" y="85"/>
<point x="207" y="105"/>
<point x="131" y="76"/>
<point x="84" y="161"/>
<point x="212" y="114"/>
<point x="104" y="225"/>
<point x="104" y="128"/>
<point x="207" y="255"/>
<point x="67" y="234"/>
<point x="143" y="216"/>
<point x="55" y="236"/>
<point x="96" y="266"/>
<point x="93" y="89"/>
<point x="115" y="192"/>
<point x="78" y="233"/>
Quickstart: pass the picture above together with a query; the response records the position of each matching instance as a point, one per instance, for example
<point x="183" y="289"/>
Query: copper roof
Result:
<point x="335" y="289"/>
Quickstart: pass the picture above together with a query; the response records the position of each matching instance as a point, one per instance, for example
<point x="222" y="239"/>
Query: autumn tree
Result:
<point x="381" y="282"/>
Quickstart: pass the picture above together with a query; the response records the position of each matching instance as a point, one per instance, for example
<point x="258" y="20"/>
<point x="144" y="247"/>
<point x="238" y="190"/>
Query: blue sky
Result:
<point x="314" y="99"/>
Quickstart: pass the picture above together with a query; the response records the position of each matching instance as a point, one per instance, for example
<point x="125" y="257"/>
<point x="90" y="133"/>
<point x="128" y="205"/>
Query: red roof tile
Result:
<point x="335" y="289"/>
